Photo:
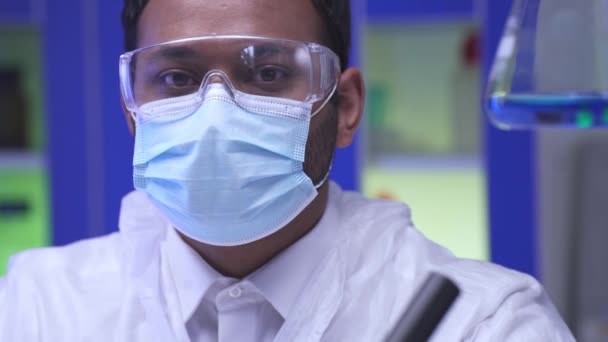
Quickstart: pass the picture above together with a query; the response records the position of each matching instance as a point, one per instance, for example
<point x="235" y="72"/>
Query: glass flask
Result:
<point x="551" y="67"/>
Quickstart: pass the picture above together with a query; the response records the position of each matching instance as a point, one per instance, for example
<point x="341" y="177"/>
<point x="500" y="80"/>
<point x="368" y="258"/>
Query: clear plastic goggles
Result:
<point x="287" y="69"/>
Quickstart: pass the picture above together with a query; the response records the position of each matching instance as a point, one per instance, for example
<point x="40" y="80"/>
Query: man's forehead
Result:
<point x="166" y="20"/>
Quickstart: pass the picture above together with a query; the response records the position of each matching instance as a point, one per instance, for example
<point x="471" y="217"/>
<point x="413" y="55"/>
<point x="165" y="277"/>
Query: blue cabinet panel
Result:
<point x="118" y="143"/>
<point x="66" y="124"/>
<point x="378" y="9"/>
<point x="15" y="9"/>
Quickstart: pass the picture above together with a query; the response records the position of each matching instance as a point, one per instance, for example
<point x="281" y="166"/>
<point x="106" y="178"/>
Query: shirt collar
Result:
<point x="283" y="279"/>
<point x="191" y="275"/>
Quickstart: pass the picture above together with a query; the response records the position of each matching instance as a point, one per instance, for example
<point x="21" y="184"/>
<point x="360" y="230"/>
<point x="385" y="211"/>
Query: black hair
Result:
<point x="335" y="14"/>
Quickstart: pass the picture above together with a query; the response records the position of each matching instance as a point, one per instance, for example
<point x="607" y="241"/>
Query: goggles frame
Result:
<point x="322" y="58"/>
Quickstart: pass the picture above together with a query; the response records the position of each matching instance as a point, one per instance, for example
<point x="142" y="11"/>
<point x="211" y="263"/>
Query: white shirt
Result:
<point x="142" y="284"/>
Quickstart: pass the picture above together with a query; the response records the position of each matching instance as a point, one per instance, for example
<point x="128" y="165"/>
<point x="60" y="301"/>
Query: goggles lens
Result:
<point x="258" y="66"/>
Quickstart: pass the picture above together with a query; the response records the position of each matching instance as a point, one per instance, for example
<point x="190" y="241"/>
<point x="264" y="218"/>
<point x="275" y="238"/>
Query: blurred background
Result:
<point x="532" y="201"/>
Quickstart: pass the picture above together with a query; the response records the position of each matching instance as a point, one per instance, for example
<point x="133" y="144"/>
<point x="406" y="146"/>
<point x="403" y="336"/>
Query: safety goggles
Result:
<point x="304" y="72"/>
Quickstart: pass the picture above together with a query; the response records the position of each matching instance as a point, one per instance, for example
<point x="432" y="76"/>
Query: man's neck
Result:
<point x="240" y="261"/>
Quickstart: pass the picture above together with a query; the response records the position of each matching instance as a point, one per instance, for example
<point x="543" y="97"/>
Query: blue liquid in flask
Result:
<point x="567" y="110"/>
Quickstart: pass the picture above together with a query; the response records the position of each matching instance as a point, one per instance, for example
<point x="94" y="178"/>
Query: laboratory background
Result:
<point x="530" y="199"/>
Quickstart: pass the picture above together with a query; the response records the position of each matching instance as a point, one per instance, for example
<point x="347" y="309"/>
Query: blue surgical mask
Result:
<point x="228" y="170"/>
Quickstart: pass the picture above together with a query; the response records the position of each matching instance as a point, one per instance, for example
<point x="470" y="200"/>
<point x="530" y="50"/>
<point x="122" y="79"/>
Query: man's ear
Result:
<point x="128" y="117"/>
<point x="351" y="93"/>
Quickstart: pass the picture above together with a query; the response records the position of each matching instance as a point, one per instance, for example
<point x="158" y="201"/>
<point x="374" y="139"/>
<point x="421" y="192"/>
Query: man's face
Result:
<point x="166" y="20"/>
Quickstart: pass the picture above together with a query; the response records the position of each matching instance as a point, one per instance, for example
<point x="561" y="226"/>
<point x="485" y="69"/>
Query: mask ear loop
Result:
<point x="320" y="184"/>
<point x="333" y="92"/>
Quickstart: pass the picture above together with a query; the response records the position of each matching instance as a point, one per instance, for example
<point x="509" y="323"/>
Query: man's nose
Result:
<point x="215" y="79"/>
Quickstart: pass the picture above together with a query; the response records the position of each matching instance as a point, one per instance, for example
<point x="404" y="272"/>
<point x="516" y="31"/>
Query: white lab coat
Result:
<point x="108" y="289"/>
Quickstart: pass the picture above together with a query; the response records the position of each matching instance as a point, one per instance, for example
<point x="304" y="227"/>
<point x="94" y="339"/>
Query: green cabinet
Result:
<point x="24" y="212"/>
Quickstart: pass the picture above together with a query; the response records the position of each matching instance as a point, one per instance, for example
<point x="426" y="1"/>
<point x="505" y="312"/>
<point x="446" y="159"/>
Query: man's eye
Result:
<point x="269" y="74"/>
<point x="177" y="79"/>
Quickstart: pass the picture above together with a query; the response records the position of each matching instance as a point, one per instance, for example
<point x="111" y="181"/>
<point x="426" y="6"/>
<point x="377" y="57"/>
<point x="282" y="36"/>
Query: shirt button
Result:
<point x="235" y="292"/>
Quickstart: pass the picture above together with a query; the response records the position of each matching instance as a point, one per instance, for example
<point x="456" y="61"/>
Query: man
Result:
<point x="235" y="233"/>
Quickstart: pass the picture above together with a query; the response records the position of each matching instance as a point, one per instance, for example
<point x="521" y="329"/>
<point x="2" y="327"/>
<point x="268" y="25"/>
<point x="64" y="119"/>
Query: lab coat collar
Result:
<point x="317" y="305"/>
<point x="283" y="279"/>
<point x="142" y="228"/>
<point x="145" y="230"/>
<point x="191" y="275"/>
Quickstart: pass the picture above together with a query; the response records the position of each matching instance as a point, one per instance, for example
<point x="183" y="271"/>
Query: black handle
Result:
<point x="430" y="304"/>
